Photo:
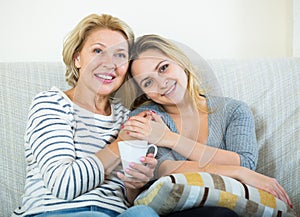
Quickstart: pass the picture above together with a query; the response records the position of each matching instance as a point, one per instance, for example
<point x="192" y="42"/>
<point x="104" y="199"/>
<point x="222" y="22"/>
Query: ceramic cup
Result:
<point x="133" y="150"/>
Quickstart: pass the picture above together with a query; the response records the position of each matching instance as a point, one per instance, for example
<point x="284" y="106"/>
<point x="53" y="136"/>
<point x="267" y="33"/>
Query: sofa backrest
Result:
<point x="270" y="86"/>
<point x="19" y="83"/>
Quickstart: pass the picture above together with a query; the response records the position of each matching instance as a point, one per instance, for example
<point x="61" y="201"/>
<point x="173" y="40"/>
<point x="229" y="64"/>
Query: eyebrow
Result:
<point x="105" y="47"/>
<point x="159" y="64"/>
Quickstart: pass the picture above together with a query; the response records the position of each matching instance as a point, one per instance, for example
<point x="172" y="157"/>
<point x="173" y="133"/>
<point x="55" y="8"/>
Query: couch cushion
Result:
<point x="182" y="191"/>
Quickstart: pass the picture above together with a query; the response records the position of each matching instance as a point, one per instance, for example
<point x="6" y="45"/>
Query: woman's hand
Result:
<point x="147" y="125"/>
<point x="265" y="183"/>
<point x="141" y="175"/>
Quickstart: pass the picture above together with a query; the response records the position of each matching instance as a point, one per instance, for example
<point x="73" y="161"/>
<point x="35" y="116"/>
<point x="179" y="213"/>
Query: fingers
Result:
<point x="141" y="173"/>
<point x="156" y="117"/>
<point x="144" y="171"/>
<point x="278" y="191"/>
<point x="137" y="126"/>
<point x="136" y="123"/>
<point x="143" y="113"/>
<point x="283" y="195"/>
<point x="130" y="182"/>
<point x="150" y="161"/>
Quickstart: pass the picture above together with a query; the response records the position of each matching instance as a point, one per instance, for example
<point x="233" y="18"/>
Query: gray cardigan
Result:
<point x="231" y="127"/>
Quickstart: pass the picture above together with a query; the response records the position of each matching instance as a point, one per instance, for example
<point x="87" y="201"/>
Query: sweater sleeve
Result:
<point x="50" y="146"/>
<point x="240" y="136"/>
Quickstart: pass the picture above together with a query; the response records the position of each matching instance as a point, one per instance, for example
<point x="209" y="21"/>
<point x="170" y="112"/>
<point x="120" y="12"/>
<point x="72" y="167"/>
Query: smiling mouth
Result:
<point x="169" y="90"/>
<point x="105" y="77"/>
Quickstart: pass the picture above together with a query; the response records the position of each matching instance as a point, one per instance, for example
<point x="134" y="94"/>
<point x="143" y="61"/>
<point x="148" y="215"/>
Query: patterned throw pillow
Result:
<point x="186" y="190"/>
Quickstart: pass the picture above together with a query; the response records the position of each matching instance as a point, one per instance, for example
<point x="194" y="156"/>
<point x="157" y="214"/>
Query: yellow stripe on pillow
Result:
<point x="149" y="197"/>
<point x="227" y="200"/>
<point x="194" y="179"/>
<point x="267" y="199"/>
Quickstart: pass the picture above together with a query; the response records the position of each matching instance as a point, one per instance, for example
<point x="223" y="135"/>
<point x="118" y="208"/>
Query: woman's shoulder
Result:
<point x="52" y="98"/>
<point x="53" y="93"/>
<point x="228" y="104"/>
<point x="226" y="101"/>
<point x="119" y="107"/>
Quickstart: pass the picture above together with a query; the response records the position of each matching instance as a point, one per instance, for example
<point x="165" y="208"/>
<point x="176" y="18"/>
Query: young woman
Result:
<point x="195" y="131"/>
<point x="73" y="162"/>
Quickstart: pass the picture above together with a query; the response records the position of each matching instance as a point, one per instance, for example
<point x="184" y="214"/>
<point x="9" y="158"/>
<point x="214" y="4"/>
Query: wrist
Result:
<point x="170" y="140"/>
<point x="239" y="173"/>
<point x="110" y="151"/>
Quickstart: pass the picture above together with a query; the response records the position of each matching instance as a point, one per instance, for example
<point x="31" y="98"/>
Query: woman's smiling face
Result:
<point x="162" y="79"/>
<point x="103" y="61"/>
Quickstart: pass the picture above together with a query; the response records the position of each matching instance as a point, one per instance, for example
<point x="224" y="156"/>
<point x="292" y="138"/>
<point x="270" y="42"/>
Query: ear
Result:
<point x="77" y="60"/>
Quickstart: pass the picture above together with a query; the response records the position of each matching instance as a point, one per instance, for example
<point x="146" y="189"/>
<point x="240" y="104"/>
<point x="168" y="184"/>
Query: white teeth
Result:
<point x="170" y="90"/>
<point x="106" y="77"/>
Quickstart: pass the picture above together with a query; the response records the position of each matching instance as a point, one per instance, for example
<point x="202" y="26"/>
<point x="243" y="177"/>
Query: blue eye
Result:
<point x="147" y="83"/>
<point x="121" y="55"/>
<point x="97" y="51"/>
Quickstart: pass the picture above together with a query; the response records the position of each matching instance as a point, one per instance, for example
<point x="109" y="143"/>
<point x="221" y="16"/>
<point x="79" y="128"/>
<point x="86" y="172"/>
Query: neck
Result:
<point x="92" y="102"/>
<point x="186" y="106"/>
<point x="180" y="108"/>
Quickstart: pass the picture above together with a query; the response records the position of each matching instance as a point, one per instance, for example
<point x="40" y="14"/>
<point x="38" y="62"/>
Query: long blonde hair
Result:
<point x="135" y="96"/>
<point x="76" y="39"/>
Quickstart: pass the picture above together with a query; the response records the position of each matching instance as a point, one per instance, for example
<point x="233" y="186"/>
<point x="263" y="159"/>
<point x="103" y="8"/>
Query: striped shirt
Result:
<point x="62" y="170"/>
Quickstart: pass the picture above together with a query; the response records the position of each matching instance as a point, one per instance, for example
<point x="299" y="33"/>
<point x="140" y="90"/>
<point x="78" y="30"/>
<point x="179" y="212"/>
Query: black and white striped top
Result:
<point x="62" y="170"/>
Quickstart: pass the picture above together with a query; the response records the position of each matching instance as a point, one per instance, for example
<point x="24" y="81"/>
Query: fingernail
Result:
<point x="131" y="164"/>
<point x="142" y="159"/>
<point x="127" y="132"/>
<point x="122" y="126"/>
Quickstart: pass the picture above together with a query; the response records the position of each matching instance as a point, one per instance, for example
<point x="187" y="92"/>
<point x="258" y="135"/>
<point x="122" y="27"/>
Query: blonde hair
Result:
<point x="77" y="37"/>
<point x="136" y="97"/>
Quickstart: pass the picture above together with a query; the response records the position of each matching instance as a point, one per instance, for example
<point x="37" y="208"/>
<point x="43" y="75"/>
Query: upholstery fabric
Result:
<point x="19" y="83"/>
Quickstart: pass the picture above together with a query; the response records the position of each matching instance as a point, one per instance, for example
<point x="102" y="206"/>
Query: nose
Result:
<point x="163" y="83"/>
<point x="107" y="60"/>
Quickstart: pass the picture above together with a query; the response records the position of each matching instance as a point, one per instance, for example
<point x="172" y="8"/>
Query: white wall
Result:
<point x="33" y="30"/>
<point x="296" y="32"/>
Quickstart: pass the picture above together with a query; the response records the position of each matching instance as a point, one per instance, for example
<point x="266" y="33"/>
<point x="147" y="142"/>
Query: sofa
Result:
<point x="271" y="87"/>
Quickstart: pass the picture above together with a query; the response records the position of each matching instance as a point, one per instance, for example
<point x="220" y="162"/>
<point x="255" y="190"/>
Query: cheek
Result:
<point x="152" y="95"/>
<point x="122" y="70"/>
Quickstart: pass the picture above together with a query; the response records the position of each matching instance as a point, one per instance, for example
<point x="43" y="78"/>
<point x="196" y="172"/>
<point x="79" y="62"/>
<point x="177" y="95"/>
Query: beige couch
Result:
<point x="270" y="86"/>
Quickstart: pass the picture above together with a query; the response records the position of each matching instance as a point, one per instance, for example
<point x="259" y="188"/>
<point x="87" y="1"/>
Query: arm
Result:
<point x="196" y="151"/>
<point x="150" y="126"/>
<point x="240" y="135"/>
<point x="49" y="139"/>
<point x="231" y="124"/>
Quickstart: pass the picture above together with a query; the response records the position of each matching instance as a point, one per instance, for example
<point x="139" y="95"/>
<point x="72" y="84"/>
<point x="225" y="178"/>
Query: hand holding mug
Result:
<point x="131" y="151"/>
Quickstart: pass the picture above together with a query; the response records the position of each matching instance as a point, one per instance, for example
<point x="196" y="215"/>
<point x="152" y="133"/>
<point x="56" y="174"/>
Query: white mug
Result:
<point x="132" y="151"/>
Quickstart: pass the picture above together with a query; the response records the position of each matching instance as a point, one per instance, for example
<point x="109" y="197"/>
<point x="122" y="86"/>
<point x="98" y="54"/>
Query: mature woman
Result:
<point x="73" y="162"/>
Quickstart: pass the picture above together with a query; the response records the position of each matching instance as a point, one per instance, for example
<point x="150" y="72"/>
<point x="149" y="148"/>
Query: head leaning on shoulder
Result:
<point x="159" y="48"/>
<point x="74" y="42"/>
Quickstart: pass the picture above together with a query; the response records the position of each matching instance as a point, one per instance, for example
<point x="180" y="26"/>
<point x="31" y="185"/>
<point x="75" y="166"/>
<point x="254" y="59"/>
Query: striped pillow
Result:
<point x="186" y="190"/>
